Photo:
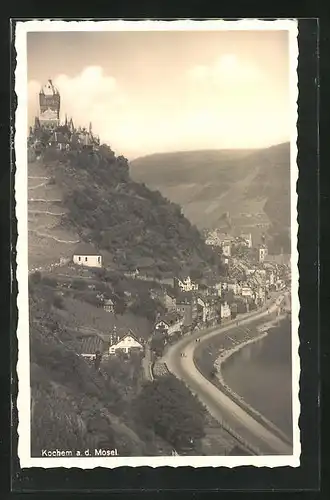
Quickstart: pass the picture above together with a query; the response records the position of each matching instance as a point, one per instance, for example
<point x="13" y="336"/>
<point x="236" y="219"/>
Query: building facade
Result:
<point x="49" y="105"/>
<point x="262" y="253"/>
<point x="248" y="239"/>
<point x="108" y="305"/>
<point x="185" y="284"/>
<point x="169" y="323"/>
<point x="186" y="306"/>
<point x="86" y="256"/>
<point x="127" y="344"/>
<point x="225" y="311"/>
<point x="226" y="248"/>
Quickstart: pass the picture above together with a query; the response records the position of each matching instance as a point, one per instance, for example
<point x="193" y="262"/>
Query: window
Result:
<point x="99" y="260"/>
<point x="85" y="259"/>
<point x="79" y="259"/>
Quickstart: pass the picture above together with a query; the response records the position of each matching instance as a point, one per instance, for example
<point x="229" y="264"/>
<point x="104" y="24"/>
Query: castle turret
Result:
<point x="49" y="103"/>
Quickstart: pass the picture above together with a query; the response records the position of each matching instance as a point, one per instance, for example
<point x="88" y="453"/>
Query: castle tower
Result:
<point x="49" y="103"/>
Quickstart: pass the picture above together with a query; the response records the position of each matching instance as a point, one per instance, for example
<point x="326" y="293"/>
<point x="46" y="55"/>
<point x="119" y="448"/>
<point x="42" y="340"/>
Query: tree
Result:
<point x="58" y="302"/>
<point x="196" y="274"/>
<point x="78" y="284"/>
<point x="157" y="344"/>
<point x="168" y="407"/>
<point x="120" y="306"/>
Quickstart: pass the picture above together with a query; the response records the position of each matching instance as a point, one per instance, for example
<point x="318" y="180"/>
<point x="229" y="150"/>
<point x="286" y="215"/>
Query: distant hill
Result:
<point x="251" y="186"/>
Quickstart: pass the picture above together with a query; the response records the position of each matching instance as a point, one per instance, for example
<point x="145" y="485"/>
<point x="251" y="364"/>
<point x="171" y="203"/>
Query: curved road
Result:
<point x="222" y="407"/>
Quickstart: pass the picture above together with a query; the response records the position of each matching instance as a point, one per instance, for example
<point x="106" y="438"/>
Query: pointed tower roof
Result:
<point x="49" y="88"/>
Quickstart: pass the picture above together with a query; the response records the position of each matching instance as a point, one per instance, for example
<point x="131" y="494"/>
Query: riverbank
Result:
<point x="222" y="407"/>
<point x="261" y="373"/>
<point x="208" y="361"/>
<point x="261" y="332"/>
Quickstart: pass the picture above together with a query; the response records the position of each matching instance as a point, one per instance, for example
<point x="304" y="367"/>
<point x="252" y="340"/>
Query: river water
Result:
<point x="261" y="373"/>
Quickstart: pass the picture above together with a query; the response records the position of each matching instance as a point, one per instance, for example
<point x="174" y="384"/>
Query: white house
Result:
<point x="225" y="311"/>
<point x="218" y="289"/>
<point x="203" y="303"/>
<point x="170" y="323"/>
<point x="85" y="255"/>
<point x="226" y="248"/>
<point x="185" y="284"/>
<point x="246" y="291"/>
<point x="262" y="253"/>
<point x="126" y="344"/>
<point x="234" y="287"/>
<point x="248" y="239"/>
<point x="108" y="305"/>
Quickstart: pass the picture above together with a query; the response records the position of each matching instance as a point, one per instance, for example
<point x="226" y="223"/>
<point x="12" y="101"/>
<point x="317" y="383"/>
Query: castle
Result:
<point x="49" y="132"/>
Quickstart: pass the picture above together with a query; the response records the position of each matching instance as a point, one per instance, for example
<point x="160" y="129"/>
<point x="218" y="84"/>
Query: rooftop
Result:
<point x="169" y="318"/>
<point x="89" y="345"/>
<point x="85" y="249"/>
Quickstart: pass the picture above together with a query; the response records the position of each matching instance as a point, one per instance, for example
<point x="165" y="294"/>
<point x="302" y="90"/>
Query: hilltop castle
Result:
<point x="49" y="132"/>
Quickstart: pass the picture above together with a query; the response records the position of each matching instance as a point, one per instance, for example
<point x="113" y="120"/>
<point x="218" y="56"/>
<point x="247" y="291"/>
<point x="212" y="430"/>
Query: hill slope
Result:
<point x="253" y="186"/>
<point x="91" y="197"/>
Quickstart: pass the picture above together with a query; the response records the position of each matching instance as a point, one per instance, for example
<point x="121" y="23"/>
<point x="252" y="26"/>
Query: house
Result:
<point x="218" y="289"/>
<point x="234" y="287"/>
<point x="216" y="238"/>
<point x="213" y="309"/>
<point x="203" y="309"/>
<point x="186" y="305"/>
<point x="271" y="278"/>
<point x="225" y="311"/>
<point x="260" y="295"/>
<point x="169" y="323"/>
<point x="85" y="255"/>
<point x="108" y="305"/>
<point x="262" y="253"/>
<point x="247" y="238"/>
<point x="213" y="287"/>
<point x="226" y="248"/>
<point x="127" y="344"/>
<point x="208" y="306"/>
<point x="246" y="291"/>
<point x="165" y="297"/>
<point x="184" y="284"/>
<point x="233" y="310"/>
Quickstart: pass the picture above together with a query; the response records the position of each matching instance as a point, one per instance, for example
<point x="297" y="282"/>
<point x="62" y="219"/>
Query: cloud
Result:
<point x="88" y="96"/>
<point x="227" y="70"/>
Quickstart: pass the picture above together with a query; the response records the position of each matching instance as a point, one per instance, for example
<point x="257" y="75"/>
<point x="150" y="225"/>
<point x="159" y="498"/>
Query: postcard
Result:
<point x="157" y="263"/>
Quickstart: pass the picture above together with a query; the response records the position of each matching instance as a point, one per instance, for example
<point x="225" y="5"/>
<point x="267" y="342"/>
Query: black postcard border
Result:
<point x="144" y="479"/>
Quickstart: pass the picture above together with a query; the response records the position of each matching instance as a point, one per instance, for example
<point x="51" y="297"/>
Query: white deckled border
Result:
<point x="23" y="365"/>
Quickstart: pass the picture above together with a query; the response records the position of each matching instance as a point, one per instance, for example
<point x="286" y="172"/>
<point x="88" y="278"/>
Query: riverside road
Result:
<point x="221" y="406"/>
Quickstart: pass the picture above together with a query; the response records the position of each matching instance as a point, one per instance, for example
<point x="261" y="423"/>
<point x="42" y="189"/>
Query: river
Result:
<point x="261" y="373"/>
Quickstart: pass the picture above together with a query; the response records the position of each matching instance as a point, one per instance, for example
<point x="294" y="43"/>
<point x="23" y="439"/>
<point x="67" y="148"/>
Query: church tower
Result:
<point x="49" y="103"/>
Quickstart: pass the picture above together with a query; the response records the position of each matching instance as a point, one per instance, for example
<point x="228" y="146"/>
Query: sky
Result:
<point x="161" y="91"/>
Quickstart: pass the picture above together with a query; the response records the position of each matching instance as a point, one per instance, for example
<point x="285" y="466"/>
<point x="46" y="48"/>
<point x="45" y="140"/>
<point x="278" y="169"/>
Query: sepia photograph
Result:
<point x="156" y="208"/>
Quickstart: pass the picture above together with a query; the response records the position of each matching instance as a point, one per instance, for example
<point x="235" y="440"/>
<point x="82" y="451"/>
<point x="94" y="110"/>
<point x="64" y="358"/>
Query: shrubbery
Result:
<point x="169" y="408"/>
<point x="127" y="219"/>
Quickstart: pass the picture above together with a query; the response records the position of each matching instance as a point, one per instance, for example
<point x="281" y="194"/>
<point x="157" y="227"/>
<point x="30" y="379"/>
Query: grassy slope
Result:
<point x="209" y="183"/>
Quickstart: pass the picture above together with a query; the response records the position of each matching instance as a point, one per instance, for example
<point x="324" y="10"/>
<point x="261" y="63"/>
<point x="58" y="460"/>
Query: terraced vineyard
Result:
<point x="49" y="240"/>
